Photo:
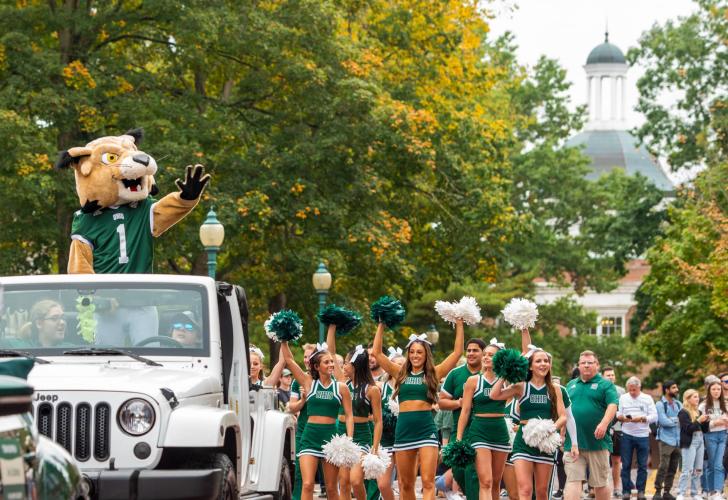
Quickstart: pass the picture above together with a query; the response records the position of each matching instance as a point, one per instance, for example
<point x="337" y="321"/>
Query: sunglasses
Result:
<point x="184" y="326"/>
<point x="725" y="380"/>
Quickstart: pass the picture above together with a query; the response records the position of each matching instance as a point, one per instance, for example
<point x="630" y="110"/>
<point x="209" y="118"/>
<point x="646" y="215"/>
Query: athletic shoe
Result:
<point x="558" y="495"/>
<point x="617" y="493"/>
<point x="641" y="495"/>
<point x="668" y="496"/>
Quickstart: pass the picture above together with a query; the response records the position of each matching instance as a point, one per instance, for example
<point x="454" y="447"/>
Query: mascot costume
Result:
<point x="112" y="233"/>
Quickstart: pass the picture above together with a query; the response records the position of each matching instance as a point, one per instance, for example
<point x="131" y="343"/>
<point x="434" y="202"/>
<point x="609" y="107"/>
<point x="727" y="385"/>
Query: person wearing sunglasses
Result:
<point x="185" y="330"/>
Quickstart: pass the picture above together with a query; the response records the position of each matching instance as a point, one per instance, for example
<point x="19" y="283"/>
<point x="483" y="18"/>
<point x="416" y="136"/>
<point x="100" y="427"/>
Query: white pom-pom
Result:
<point x="266" y="326"/>
<point x="341" y="451"/>
<point x="521" y="313"/>
<point x="373" y="466"/>
<point x="393" y="406"/>
<point x="511" y="432"/>
<point x="542" y="434"/>
<point x="467" y="310"/>
<point x="385" y="456"/>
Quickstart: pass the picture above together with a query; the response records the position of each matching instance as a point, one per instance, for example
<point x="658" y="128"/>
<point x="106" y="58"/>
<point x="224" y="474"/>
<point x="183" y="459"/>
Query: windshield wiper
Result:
<point x="100" y="351"/>
<point x="23" y="354"/>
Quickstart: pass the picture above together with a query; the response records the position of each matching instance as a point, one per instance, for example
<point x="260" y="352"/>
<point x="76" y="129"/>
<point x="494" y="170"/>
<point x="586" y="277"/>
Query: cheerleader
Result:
<point x="324" y="396"/>
<point x="416" y="383"/>
<point x="488" y="431"/>
<point x="537" y="397"/>
<point x="257" y="373"/>
<point x="366" y="403"/>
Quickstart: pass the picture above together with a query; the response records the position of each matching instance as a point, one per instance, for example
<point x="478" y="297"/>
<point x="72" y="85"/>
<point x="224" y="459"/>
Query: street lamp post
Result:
<point x="321" y="282"/>
<point x="212" y="234"/>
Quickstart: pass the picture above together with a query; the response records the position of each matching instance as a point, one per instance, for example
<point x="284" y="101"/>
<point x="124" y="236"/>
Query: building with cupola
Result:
<point x="607" y="141"/>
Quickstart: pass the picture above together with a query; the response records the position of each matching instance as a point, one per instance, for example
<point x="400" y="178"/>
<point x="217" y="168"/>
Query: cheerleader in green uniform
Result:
<point x="415" y="387"/>
<point x="257" y="371"/>
<point x="488" y="432"/>
<point x="389" y="421"/>
<point x="324" y="396"/>
<point x="366" y="403"/>
<point x="537" y="397"/>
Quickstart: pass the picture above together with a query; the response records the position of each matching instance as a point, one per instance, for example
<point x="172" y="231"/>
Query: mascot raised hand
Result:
<point x="113" y="230"/>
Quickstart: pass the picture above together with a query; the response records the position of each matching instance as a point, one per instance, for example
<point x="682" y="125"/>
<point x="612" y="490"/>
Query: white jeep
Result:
<point x="143" y="379"/>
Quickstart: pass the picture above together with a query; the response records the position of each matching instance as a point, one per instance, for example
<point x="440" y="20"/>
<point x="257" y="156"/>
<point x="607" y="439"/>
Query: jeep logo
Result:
<point x="52" y="398"/>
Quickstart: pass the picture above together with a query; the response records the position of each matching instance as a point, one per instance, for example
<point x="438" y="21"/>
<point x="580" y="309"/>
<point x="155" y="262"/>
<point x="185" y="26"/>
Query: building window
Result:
<point x="611" y="325"/>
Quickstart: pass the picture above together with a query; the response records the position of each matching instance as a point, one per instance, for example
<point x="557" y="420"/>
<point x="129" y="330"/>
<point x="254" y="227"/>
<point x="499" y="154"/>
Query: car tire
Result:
<point x="229" y="481"/>
<point x="285" y="482"/>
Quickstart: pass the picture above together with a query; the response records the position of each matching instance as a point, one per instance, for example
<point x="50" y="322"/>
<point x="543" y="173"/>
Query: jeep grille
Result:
<point x="76" y="435"/>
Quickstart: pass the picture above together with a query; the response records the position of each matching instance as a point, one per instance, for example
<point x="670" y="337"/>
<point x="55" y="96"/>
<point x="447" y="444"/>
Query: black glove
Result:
<point x="194" y="183"/>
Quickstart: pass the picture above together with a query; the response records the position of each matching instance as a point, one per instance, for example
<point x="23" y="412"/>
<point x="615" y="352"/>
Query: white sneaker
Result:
<point x="681" y="497"/>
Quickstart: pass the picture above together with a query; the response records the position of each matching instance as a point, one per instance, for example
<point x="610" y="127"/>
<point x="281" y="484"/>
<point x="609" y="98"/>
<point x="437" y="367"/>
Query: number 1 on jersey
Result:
<point x="123" y="257"/>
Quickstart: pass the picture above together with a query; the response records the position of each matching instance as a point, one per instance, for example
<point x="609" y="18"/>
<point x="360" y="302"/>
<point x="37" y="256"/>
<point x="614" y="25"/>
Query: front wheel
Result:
<point x="229" y="481"/>
<point x="285" y="483"/>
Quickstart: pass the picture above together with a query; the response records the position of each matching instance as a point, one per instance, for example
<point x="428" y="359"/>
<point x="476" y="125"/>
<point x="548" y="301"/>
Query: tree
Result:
<point x="684" y="300"/>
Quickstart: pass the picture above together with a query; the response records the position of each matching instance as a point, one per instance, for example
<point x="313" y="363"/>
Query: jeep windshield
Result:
<point x="156" y="319"/>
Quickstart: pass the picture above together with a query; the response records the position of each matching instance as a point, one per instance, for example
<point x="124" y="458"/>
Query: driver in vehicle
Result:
<point x="186" y="330"/>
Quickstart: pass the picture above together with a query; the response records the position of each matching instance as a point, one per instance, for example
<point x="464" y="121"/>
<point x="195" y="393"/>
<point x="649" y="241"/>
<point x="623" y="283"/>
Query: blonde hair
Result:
<point x="691" y="409"/>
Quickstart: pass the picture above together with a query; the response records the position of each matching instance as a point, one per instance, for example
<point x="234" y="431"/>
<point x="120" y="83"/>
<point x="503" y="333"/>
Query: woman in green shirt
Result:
<point x="488" y="432"/>
<point x="324" y="396"/>
<point x="537" y="397"/>
<point x="366" y="404"/>
<point x="415" y="387"/>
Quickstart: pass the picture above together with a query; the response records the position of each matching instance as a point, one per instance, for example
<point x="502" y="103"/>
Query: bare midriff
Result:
<point x="357" y="420"/>
<point x="490" y="415"/>
<point x="319" y="419"/>
<point x="415" y="405"/>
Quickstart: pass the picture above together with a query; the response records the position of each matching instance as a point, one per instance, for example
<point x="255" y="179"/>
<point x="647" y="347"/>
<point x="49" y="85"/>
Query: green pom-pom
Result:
<point x="458" y="454"/>
<point x="508" y="364"/>
<point x="286" y="325"/>
<point x="344" y="319"/>
<point x="388" y="310"/>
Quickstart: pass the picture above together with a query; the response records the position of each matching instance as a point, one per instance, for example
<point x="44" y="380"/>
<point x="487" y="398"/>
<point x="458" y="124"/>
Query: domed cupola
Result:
<point x="606" y="73"/>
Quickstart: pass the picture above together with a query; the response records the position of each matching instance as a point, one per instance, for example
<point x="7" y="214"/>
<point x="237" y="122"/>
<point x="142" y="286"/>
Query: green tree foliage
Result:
<point x="684" y="301"/>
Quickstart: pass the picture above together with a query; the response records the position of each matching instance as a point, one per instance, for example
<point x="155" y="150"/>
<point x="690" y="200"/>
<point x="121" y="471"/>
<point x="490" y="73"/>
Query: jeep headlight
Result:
<point x="136" y="417"/>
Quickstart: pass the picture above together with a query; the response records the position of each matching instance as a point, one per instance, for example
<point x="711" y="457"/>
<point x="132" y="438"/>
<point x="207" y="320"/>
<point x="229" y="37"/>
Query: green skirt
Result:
<point x="489" y="433"/>
<point x="315" y="436"/>
<point x="521" y="451"/>
<point x="415" y="429"/>
<point x="362" y="434"/>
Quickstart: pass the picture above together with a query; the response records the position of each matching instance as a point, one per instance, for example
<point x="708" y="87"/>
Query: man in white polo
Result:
<point x="636" y="411"/>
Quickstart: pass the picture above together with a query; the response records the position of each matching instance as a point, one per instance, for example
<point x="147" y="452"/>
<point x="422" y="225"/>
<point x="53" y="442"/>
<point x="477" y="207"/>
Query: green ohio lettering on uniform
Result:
<point x="121" y="237"/>
<point x="454" y="384"/>
<point x="589" y="401"/>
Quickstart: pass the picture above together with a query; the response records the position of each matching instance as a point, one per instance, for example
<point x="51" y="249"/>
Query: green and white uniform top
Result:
<point x="414" y="388"/>
<point x="535" y="403"/>
<point x="481" y="398"/>
<point x="389" y="420"/>
<point x="324" y="401"/>
<point x="358" y="409"/>
<point x="121" y="237"/>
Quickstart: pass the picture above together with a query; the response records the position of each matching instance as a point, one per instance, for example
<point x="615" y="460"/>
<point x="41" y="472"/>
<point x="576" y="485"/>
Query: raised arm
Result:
<point x="296" y="371"/>
<point x="275" y="374"/>
<point x="331" y="344"/>
<point x="375" y="396"/>
<point x="467" y="404"/>
<point x="525" y="340"/>
<point x="382" y="359"/>
<point x="452" y="360"/>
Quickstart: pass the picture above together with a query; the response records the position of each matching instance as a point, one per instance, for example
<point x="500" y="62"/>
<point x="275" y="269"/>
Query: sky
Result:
<point x="567" y="30"/>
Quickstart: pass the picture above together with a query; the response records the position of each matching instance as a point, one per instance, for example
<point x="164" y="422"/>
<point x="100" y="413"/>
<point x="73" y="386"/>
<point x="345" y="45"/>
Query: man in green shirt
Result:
<point x="593" y="403"/>
<point x="451" y="395"/>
